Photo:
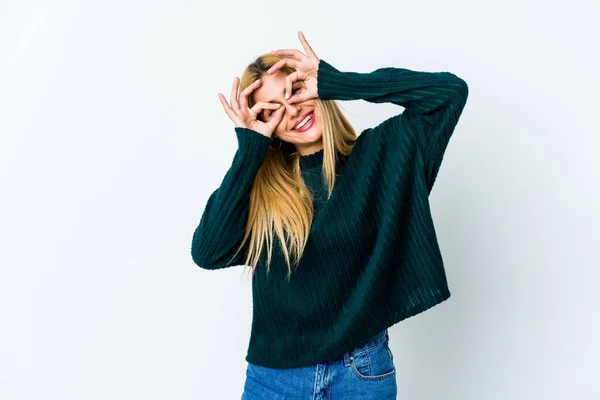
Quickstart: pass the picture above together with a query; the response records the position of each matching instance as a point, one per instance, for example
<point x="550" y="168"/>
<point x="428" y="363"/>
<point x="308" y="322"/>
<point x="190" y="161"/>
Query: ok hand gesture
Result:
<point x="306" y="66"/>
<point x="245" y="117"/>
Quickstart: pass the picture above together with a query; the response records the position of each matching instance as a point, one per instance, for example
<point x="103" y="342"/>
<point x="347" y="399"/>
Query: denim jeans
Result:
<point x="366" y="372"/>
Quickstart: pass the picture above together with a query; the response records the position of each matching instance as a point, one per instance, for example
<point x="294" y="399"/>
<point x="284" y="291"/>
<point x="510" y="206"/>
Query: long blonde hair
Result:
<point x="280" y="202"/>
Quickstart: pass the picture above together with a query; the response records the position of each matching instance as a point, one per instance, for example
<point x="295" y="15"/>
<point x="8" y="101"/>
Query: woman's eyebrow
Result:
<point x="275" y="101"/>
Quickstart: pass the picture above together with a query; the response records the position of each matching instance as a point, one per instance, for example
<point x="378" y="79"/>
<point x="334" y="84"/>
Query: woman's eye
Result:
<point x="294" y="90"/>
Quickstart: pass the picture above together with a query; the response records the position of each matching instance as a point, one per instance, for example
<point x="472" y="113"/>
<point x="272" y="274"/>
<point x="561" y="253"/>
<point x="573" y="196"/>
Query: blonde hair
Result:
<point x="280" y="202"/>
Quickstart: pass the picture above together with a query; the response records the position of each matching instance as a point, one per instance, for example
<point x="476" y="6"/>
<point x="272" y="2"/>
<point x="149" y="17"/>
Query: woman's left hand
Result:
<point x="306" y="66"/>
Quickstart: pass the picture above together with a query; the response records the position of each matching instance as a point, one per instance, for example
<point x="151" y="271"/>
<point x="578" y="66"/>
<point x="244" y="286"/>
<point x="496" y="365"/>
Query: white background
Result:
<point x="112" y="139"/>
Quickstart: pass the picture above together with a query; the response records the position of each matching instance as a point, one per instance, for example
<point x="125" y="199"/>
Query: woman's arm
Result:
<point x="223" y="221"/>
<point x="433" y="102"/>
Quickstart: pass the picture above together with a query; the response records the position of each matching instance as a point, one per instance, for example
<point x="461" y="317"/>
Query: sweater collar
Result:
<point x="312" y="160"/>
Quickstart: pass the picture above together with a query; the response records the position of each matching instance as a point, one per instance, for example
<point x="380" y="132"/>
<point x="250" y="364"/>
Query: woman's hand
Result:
<point x="306" y="66"/>
<point x="245" y="117"/>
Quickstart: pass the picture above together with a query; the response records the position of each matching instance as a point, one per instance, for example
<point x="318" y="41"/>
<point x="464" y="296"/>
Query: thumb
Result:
<point x="272" y="124"/>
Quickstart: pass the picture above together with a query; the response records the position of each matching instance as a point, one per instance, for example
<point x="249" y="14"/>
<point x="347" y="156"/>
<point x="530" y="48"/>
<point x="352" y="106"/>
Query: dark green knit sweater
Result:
<point x="372" y="257"/>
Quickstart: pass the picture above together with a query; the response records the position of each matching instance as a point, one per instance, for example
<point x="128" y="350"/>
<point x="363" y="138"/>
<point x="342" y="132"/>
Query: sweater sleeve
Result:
<point x="433" y="102"/>
<point x="223" y="221"/>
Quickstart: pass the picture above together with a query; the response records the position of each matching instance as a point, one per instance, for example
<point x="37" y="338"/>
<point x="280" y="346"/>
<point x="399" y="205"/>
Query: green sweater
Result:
<point x="372" y="257"/>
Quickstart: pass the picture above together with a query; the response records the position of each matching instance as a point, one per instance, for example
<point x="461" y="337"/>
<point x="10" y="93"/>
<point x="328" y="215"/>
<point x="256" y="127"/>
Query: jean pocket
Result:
<point x="374" y="362"/>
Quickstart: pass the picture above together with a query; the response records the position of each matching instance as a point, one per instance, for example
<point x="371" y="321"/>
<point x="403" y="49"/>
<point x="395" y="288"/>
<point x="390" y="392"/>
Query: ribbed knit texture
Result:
<point x="372" y="257"/>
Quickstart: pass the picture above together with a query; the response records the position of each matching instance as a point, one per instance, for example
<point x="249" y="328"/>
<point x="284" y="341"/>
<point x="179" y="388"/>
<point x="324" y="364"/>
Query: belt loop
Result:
<point x="348" y="358"/>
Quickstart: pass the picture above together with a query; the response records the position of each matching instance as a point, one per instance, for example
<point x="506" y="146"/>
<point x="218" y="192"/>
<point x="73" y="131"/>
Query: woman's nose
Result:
<point x="292" y="109"/>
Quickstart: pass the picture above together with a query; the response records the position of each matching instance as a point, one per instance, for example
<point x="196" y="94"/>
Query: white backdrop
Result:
<point x="112" y="139"/>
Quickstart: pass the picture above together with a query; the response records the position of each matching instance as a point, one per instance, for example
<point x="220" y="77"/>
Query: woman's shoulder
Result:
<point x="388" y="133"/>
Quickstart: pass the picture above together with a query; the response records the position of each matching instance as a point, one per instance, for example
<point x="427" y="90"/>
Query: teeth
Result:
<point x="301" y="124"/>
<point x="304" y="122"/>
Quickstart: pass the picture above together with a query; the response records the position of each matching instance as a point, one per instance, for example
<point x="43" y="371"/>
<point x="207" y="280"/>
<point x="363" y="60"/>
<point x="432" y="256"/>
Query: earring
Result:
<point x="280" y="143"/>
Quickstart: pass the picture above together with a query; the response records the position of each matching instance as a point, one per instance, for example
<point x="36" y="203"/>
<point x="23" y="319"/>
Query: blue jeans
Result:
<point x="367" y="372"/>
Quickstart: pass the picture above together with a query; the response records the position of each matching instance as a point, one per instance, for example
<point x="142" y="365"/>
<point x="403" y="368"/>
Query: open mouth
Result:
<point x="306" y="123"/>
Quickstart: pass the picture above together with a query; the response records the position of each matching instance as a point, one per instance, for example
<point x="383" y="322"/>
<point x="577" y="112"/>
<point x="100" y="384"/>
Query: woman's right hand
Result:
<point x="245" y="117"/>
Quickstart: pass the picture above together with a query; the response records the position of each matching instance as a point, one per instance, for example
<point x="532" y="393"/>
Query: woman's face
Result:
<point x="272" y="89"/>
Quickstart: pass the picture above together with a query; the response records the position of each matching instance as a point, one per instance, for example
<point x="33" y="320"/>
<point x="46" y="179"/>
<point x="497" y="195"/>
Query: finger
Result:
<point x="277" y="116"/>
<point x="244" y="94"/>
<point x="234" y="93"/>
<point x="289" y="82"/>
<point x="262" y="105"/>
<point x="298" y="98"/>
<point x="309" y="51"/>
<point x="294" y="53"/>
<point x="226" y="107"/>
<point x="279" y="64"/>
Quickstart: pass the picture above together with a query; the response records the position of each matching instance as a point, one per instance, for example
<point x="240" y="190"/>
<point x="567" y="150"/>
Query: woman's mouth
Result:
<point x="306" y="124"/>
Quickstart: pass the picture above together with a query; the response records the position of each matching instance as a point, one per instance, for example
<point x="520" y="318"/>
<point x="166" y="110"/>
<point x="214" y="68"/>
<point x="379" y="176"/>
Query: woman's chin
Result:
<point x="307" y="139"/>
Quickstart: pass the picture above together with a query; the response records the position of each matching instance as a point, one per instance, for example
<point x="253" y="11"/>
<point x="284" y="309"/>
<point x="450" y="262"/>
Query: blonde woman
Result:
<point x="335" y="227"/>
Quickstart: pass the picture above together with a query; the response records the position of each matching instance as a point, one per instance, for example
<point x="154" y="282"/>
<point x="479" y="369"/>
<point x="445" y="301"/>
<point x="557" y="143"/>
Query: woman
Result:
<point x="336" y="227"/>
